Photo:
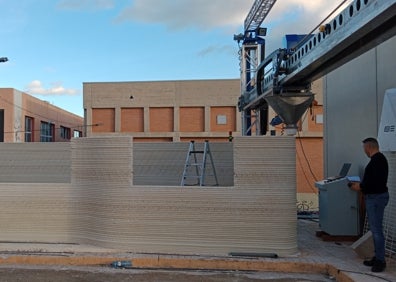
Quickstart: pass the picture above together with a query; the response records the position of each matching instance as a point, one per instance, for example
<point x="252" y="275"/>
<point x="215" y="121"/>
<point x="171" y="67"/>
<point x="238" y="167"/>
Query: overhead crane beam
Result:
<point x="283" y="79"/>
<point x="258" y="13"/>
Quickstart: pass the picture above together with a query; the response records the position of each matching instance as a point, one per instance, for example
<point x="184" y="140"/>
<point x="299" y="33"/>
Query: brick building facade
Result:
<point x="163" y="110"/>
<point x="24" y="118"/>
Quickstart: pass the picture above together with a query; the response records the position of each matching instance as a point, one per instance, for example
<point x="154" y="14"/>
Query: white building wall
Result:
<point x="353" y="97"/>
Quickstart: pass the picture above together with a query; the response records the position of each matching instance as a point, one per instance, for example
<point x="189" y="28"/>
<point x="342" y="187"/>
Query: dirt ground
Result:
<point x="108" y="274"/>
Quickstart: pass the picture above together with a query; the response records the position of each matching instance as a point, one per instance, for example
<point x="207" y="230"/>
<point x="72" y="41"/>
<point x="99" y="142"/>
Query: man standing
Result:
<point x="375" y="191"/>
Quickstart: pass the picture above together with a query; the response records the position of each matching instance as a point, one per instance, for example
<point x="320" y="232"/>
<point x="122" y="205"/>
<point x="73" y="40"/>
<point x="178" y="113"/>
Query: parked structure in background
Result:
<point x="24" y="118"/>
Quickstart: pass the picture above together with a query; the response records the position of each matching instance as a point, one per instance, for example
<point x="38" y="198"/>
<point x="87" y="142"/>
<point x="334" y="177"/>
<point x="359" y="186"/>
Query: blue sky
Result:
<point x="53" y="46"/>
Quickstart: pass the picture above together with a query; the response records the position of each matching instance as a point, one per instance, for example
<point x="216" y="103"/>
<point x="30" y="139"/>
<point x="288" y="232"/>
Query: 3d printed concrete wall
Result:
<point x="258" y="214"/>
<point x="35" y="162"/>
<point x="36" y="212"/>
<point x="102" y="207"/>
<point x="158" y="163"/>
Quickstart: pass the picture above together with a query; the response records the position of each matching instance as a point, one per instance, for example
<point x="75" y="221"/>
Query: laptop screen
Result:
<point x="345" y="169"/>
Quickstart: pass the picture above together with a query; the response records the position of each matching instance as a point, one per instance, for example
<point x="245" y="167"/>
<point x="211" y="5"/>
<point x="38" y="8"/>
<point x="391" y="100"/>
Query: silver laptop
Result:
<point x="343" y="172"/>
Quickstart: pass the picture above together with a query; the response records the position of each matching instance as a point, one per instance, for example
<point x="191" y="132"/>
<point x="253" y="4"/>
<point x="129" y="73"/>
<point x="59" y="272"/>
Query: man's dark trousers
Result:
<point x="375" y="207"/>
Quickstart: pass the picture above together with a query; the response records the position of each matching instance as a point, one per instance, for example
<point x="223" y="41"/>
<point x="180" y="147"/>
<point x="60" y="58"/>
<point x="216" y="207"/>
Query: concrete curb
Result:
<point x="198" y="263"/>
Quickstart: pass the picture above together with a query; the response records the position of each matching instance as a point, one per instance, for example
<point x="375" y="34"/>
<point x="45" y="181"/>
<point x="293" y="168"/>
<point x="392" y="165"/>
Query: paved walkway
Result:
<point x="333" y="259"/>
<point x="338" y="254"/>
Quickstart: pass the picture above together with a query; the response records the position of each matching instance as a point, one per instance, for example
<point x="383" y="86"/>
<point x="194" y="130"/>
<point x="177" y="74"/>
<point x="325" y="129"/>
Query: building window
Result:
<point x="65" y="132"/>
<point x="77" y="133"/>
<point x="29" y="123"/>
<point x="46" y="132"/>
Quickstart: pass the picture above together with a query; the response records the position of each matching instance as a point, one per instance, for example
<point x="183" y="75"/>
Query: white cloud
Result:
<point x="85" y="4"/>
<point x="180" y="14"/>
<point x="207" y="14"/>
<point x="286" y="17"/>
<point x="36" y="87"/>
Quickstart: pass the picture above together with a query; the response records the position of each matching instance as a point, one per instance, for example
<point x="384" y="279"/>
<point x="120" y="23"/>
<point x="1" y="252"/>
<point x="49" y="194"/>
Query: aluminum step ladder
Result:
<point x="195" y="167"/>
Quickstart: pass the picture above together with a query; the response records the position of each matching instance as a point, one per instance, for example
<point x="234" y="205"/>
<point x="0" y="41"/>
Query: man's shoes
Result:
<point x="378" y="266"/>
<point x="370" y="262"/>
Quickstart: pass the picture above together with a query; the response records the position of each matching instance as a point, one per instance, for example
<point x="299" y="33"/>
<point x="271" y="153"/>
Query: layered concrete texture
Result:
<point x="153" y="163"/>
<point x="35" y="162"/>
<point x="256" y="215"/>
<point x="102" y="207"/>
<point x="36" y="212"/>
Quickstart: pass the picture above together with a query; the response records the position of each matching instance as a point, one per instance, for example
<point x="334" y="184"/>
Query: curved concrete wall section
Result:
<point x="101" y="160"/>
<point x="210" y="221"/>
<point x="35" y="162"/>
<point x="256" y="215"/>
<point x="101" y="180"/>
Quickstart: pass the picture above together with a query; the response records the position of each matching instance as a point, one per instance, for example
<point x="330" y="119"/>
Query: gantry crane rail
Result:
<point x="283" y="79"/>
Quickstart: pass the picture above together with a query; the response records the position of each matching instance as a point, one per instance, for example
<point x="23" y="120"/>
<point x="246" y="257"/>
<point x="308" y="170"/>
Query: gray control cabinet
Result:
<point x="338" y="208"/>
